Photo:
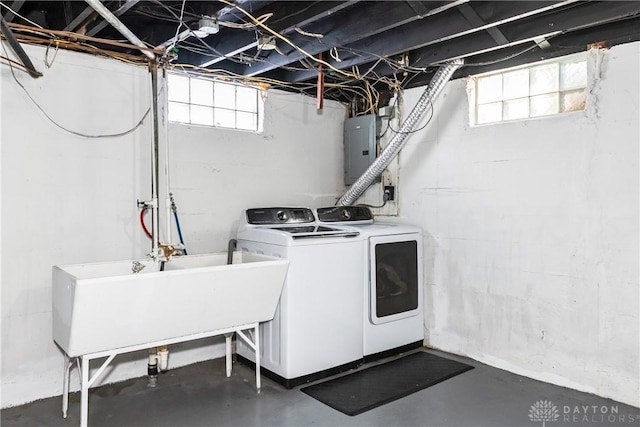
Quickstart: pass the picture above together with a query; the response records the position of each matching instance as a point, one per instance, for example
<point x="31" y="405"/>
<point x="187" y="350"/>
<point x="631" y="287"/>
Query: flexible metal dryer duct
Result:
<point x="432" y="91"/>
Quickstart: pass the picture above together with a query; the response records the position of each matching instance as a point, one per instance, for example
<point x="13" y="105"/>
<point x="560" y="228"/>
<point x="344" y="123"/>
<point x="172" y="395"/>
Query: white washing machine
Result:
<point x="317" y="329"/>
<point x="392" y="277"/>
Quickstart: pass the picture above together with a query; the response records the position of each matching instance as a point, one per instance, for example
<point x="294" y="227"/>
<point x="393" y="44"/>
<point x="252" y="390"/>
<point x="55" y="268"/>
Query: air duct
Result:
<point x="432" y="91"/>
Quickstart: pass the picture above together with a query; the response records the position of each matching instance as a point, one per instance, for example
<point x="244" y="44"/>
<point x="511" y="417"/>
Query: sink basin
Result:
<point x="105" y="306"/>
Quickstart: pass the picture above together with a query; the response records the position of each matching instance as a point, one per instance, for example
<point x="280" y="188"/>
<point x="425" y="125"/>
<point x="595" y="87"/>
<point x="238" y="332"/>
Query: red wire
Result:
<point x="144" y="227"/>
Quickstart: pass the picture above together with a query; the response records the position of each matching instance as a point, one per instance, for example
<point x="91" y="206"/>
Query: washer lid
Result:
<point x="312" y="231"/>
<point x="299" y="235"/>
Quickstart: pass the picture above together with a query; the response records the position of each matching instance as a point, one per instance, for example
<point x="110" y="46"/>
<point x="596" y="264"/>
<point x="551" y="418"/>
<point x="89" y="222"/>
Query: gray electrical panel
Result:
<point x="360" y="141"/>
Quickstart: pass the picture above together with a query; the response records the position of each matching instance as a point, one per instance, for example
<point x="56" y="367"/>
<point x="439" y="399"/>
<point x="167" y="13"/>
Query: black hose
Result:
<point x="233" y="244"/>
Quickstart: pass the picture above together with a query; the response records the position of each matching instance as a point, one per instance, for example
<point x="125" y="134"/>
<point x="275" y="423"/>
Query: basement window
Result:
<point x="537" y="90"/>
<point x="208" y="102"/>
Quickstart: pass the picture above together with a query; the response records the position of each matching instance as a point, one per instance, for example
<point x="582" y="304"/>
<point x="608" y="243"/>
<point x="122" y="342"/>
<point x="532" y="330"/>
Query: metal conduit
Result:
<point x="155" y="221"/>
<point x="432" y="91"/>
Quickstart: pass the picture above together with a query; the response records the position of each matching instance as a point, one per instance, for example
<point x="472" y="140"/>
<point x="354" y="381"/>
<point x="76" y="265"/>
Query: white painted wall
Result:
<point x="68" y="200"/>
<point x="532" y="227"/>
<point x="532" y="235"/>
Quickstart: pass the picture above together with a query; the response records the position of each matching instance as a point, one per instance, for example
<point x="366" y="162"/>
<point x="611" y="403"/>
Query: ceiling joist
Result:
<point x="365" y="46"/>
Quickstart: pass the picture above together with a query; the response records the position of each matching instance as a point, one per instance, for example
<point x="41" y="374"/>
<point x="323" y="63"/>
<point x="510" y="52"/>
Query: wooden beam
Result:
<point x="76" y="36"/>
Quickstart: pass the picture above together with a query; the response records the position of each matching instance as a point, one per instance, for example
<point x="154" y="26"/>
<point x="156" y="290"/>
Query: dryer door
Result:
<point x="395" y="286"/>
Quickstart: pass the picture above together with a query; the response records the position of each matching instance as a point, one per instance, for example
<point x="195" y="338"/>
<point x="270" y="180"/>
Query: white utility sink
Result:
<point x="105" y="309"/>
<point x="105" y="306"/>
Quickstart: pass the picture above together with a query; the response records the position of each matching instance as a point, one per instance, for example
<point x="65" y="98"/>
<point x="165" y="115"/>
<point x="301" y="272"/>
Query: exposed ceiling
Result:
<point x="362" y="46"/>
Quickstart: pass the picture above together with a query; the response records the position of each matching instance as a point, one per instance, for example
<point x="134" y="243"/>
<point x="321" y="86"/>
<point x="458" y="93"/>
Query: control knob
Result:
<point x="282" y="216"/>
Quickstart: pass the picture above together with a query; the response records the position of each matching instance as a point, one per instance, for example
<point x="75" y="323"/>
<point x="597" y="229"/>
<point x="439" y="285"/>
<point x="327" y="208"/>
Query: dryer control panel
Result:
<point x="267" y="216"/>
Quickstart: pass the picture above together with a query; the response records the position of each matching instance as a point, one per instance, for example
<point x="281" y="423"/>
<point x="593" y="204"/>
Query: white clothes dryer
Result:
<point x="317" y="329"/>
<point x="392" y="277"/>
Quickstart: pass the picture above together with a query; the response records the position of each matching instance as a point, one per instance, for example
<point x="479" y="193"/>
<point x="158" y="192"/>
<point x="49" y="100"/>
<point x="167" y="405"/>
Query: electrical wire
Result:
<point x="247" y="25"/>
<point x="286" y="40"/>
<point x="344" y="80"/>
<point x="253" y="80"/>
<point x="308" y="34"/>
<point x="175" y="38"/>
<point x="369" y="93"/>
<point x="113" y="135"/>
<point x="373" y="206"/>
<point x="497" y="61"/>
<point x="414" y="130"/>
<point x="19" y="64"/>
<point x="46" y="56"/>
<point x="19" y="16"/>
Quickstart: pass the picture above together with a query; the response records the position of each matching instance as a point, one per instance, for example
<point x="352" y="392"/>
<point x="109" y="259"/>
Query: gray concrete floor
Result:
<point x="200" y="395"/>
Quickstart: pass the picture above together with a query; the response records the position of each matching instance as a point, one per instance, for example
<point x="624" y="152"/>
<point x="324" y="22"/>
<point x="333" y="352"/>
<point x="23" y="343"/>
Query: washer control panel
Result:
<point x="345" y="214"/>
<point x="268" y="216"/>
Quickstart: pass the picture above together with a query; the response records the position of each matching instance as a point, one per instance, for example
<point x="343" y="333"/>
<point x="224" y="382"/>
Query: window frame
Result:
<point x="560" y="93"/>
<point x="256" y="108"/>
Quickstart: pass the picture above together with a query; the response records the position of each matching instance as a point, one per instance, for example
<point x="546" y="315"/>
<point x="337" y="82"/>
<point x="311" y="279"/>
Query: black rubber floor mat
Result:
<point x="369" y="388"/>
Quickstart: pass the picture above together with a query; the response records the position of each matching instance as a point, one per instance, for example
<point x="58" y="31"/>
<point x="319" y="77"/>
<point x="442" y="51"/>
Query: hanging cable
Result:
<point x="112" y="135"/>
<point x="286" y="40"/>
<point x="46" y="55"/>
<point x="175" y="38"/>
<point x="308" y="34"/>
<point x="19" y="16"/>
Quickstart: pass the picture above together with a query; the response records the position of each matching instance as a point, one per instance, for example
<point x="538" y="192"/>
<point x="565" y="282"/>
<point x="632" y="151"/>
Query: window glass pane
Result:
<point x="224" y="95"/>
<point x="515" y="84"/>
<point x="544" y="79"/>
<point x="247" y="121"/>
<point x="543" y="105"/>
<point x="178" y="88"/>
<point x="516" y="109"/>
<point x="178" y="112"/>
<point x="488" y="113"/>
<point x="201" y="115"/>
<point x="247" y="99"/>
<point x="489" y="89"/>
<point x="574" y="100"/>
<point x="537" y="90"/>
<point x="210" y="103"/>
<point x="573" y="75"/>
<point x="225" y="118"/>
<point x="202" y="92"/>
